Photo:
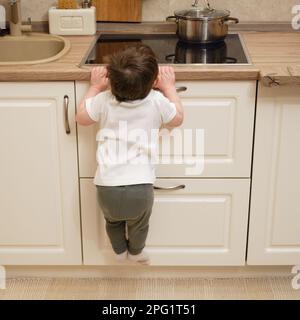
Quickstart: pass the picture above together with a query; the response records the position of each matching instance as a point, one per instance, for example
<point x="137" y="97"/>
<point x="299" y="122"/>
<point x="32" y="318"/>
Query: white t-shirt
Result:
<point x="128" y="137"/>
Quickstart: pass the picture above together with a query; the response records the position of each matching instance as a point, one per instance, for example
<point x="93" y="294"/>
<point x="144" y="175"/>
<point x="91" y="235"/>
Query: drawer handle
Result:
<point x="66" y="113"/>
<point x="180" y="187"/>
<point x="181" y="89"/>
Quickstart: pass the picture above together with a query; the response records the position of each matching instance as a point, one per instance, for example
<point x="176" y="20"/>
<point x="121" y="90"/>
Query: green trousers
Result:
<point x="127" y="207"/>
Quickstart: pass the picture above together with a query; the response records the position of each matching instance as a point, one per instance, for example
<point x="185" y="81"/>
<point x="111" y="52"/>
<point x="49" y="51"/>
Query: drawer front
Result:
<point x="219" y="121"/>
<point x="203" y="224"/>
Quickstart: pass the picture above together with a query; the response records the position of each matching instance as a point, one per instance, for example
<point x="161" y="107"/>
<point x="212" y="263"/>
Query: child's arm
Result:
<point x="99" y="83"/>
<point x="166" y="84"/>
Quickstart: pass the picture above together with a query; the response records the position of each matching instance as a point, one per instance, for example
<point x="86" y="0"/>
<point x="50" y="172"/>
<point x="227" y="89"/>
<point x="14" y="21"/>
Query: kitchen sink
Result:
<point x="32" y="48"/>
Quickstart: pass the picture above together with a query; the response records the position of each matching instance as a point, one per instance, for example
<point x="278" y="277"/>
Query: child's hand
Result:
<point x="166" y="79"/>
<point x="99" y="79"/>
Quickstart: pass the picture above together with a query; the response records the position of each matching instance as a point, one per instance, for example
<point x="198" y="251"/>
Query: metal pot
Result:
<point x="203" y="54"/>
<point x="202" y="25"/>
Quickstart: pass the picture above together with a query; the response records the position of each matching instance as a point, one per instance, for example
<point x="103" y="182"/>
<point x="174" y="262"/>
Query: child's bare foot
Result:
<point x="142" y="258"/>
<point x="121" y="257"/>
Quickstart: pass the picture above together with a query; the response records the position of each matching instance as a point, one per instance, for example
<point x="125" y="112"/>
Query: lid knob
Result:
<point x="196" y="4"/>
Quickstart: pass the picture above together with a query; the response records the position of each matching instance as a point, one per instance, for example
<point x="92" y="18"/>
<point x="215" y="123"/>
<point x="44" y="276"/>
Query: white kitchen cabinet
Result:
<point x="203" y="224"/>
<point x="274" y="237"/>
<point x="223" y="109"/>
<point x="39" y="205"/>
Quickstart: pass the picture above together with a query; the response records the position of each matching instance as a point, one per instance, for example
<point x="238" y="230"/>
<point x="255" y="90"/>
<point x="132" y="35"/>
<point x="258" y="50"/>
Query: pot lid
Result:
<point x="202" y="14"/>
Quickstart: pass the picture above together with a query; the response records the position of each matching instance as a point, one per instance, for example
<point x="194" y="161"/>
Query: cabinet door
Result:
<point x="203" y="224"/>
<point x="224" y="111"/>
<point x="274" y="237"/>
<point x="39" y="206"/>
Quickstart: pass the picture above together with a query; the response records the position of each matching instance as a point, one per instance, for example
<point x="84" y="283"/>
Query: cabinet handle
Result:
<point x="180" y="187"/>
<point x="181" y="89"/>
<point x="66" y="113"/>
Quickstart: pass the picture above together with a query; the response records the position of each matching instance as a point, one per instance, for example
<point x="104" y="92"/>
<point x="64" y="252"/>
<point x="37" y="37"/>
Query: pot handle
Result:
<point x="230" y="60"/>
<point x="170" y="58"/>
<point x="231" y="20"/>
<point x="169" y="18"/>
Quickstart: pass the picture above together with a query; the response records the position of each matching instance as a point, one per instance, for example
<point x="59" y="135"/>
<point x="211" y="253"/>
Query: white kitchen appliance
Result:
<point x="72" y="21"/>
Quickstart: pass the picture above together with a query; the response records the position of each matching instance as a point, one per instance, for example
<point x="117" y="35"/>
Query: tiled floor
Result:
<point x="241" y="288"/>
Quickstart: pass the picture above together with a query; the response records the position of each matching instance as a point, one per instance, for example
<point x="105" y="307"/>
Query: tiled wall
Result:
<point x="246" y="10"/>
<point x="157" y="10"/>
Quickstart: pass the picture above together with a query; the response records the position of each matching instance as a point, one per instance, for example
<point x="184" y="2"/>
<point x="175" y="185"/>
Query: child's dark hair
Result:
<point x="132" y="73"/>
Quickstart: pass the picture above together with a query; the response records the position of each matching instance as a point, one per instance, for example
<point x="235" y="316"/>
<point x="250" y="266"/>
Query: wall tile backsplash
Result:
<point x="246" y="10"/>
<point x="157" y="10"/>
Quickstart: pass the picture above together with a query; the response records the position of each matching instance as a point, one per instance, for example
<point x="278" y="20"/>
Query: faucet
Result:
<point x="16" y="27"/>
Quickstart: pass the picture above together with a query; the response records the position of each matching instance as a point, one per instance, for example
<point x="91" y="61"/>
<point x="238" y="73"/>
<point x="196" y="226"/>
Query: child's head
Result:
<point x="132" y="73"/>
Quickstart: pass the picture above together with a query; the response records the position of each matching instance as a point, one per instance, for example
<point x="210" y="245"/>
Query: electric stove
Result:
<point x="170" y="50"/>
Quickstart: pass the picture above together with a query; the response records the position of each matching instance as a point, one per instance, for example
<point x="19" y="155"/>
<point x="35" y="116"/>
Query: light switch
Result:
<point x="77" y="22"/>
<point x="71" y="22"/>
<point x="66" y="22"/>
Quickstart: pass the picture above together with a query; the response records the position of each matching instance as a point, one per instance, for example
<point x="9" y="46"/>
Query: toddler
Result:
<point x="122" y="99"/>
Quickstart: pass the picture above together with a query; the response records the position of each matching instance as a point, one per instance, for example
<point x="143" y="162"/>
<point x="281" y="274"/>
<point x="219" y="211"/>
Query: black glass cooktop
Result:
<point x="169" y="50"/>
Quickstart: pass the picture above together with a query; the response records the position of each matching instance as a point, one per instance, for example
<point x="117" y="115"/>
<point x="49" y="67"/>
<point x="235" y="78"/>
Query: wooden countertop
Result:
<point x="275" y="58"/>
<point x="276" y="55"/>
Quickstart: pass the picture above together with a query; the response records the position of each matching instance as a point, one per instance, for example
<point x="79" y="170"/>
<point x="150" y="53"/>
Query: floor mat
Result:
<point x="131" y="289"/>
